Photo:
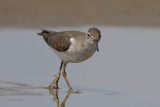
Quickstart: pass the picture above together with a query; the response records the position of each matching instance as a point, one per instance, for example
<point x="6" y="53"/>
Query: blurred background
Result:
<point x="124" y="73"/>
<point x="51" y="13"/>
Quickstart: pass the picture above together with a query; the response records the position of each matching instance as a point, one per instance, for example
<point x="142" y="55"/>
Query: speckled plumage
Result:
<point x="58" y="41"/>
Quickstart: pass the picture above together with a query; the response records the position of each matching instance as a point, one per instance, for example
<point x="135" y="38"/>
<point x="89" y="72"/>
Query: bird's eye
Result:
<point x="89" y="35"/>
<point x="100" y="36"/>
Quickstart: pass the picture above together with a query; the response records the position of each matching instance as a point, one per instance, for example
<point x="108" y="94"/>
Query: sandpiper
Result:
<point x="71" y="46"/>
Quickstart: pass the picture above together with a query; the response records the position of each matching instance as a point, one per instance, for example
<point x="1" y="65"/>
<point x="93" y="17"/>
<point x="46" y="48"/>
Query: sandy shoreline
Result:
<point x="38" y="13"/>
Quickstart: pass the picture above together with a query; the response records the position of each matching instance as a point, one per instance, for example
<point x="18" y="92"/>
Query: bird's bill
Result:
<point x="97" y="48"/>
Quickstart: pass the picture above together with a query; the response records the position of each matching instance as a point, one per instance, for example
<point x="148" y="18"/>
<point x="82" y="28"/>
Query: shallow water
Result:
<point x="124" y="73"/>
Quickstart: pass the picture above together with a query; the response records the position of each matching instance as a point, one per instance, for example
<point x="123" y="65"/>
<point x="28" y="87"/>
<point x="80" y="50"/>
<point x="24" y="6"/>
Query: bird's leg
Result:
<point x="59" y="74"/>
<point x="65" y="77"/>
<point x="55" y="81"/>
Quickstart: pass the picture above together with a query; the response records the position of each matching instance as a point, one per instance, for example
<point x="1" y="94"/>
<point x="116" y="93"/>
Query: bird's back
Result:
<point x="60" y="41"/>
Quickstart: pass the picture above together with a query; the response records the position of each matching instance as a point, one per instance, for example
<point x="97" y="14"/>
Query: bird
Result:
<point x="71" y="47"/>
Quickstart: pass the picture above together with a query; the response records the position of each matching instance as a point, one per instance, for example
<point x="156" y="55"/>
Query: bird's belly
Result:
<point x="74" y="56"/>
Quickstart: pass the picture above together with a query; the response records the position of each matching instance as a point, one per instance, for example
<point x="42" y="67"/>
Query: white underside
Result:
<point x="75" y="53"/>
<point x="72" y="56"/>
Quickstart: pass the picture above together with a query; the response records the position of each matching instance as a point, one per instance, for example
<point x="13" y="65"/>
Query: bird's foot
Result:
<point x="52" y="87"/>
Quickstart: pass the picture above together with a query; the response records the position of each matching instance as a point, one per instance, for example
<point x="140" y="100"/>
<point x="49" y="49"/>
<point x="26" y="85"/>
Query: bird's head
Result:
<point x="94" y="36"/>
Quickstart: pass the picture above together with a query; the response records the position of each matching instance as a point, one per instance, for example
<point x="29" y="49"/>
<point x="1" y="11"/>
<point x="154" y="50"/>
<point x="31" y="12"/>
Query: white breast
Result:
<point x="76" y="52"/>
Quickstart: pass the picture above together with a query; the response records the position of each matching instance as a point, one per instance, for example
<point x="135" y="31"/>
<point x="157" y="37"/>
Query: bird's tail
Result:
<point x="44" y="32"/>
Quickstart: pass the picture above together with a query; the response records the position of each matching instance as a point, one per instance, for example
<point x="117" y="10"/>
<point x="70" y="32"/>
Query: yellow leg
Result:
<point x="55" y="81"/>
<point x="65" y="77"/>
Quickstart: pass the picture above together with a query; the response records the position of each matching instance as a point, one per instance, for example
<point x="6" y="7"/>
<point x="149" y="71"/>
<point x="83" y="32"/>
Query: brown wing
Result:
<point x="56" y="40"/>
<point x="59" y="43"/>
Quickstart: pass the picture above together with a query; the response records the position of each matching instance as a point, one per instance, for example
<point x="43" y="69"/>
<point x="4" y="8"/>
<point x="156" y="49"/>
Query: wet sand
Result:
<point x="51" y="13"/>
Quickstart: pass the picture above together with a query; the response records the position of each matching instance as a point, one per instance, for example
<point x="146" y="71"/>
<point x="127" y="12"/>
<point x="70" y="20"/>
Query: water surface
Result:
<point x="124" y="73"/>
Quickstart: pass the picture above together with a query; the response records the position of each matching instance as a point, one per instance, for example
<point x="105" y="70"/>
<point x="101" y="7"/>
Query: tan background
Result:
<point x="40" y="13"/>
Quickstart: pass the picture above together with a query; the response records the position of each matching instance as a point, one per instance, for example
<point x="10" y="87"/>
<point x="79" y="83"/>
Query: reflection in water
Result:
<point x="56" y="98"/>
<point x="16" y="88"/>
<point x="20" y="89"/>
